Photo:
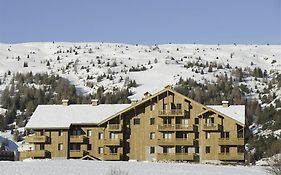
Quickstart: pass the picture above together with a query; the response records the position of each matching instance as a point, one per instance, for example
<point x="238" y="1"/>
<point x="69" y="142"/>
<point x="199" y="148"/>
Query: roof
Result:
<point x="60" y="116"/>
<point x="236" y="112"/>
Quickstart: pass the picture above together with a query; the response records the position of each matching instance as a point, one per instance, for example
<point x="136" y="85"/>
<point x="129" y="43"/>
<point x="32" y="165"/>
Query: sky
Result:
<point x="142" y="21"/>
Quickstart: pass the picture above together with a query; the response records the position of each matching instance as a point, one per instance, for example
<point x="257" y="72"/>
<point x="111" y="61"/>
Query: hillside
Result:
<point x="242" y="74"/>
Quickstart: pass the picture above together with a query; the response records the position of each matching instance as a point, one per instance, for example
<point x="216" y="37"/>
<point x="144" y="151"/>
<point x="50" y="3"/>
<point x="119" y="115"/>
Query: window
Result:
<point x="152" y="121"/>
<point x="225" y="135"/>
<point x="208" y="135"/>
<point x="113" y="135"/>
<point x="184" y="121"/>
<point x="136" y="121"/>
<point x="208" y="149"/>
<point x="74" y="146"/>
<point x="240" y="149"/>
<point x="152" y="106"/>
<point x="197" y="121"/>
<point x="167" y="149"/>
<point x="60" y="133"/>
<point x="89" y="133"/>
<point x="165" y="107"/>
<point x="167" y="120"/>
<point x="225" y="149"/>
<point x="42" y="146"/>
<point x="152" y="135"/>
<point x="113" y="150"/>
<point x="100" y="150"/>
<point x="178" y="106"/>
<point x="100" y="136"/>
<point x="60" y="146"/>
<point x="196" y="135"/>
<point x="152" y="150"/>
<point x="197" y="150"/>
<point x="167" y="135"/>
<point x="89" y="147"/>
<point x="76" y="132"/>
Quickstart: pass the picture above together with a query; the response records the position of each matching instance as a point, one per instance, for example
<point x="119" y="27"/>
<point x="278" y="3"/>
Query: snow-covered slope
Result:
<point x="82" y="63"/>
<point x="48" y="167"/>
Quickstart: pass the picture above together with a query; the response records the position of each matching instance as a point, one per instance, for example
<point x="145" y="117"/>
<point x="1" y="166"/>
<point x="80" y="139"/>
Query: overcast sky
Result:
<point x="142" y="21"/>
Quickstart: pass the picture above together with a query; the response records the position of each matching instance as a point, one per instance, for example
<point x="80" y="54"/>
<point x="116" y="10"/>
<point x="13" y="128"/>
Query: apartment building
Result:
<point x="165" y="126"/>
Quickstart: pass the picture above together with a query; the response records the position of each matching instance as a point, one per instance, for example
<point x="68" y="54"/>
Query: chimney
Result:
<point x="133" y="101"/>
<point x="95" y="102"/>
<point x="64" y="102"/>
<point x="147" y="94"/>
<point x="225" y="104"/>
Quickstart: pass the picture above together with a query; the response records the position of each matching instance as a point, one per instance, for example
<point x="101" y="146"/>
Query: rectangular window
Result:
<point x="167" y="135"/>
<point x="113" y="135"/>
<point x="89" y="147"/>
<point x="60" y="133"/>
<point x="42" y="146"/>
<point x="225" y="149"/>
<point x="240" y="149"/>
<point x="197" y="121"/>
<point x="208" y="149"/>
<point x="100" y="136"/>
<point x="113" y="150"/>
<point x="178" y="106"/>
<point x="152" y="135"/>
<point x="74" y="146"/>
<point x="152" y="150"/>
<point x="225" y="135"/>
<point x="152" y="106"/>
<point x="100" y="150"/>
<point x="136" y="121"/>
<point x="208" y="135"/>
<point x="60" y="146"/>
<point x="167" y="120"/>
<point x="89" y="133"/>
<point x="152" y="121"/>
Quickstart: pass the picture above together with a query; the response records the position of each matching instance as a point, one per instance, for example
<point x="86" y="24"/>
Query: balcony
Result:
<point x="112" y="156"/>
<point x="77" y="153"/>
<point x="231" y="141"/>
<point x="212" y="127"/>
<point x="77" y="139"/>
<point x="33" y="154"/>
<point x="112" y="142"/>
<point x="176" y="127"/>
<point x="171" y="112"/>
<point x="177" y="141"/>
<point x="114" y="127"/>
<point x="36" y="139"/>
<point x="175" y="156"/>
<point x="231" y="156"/>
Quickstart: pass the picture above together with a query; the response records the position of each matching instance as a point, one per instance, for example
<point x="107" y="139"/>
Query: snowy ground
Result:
<point x="48" y="167"/>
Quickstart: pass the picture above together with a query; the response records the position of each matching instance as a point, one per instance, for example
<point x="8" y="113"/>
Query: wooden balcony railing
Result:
<point x="177" y="141"/>
<point x="231" y="141"/>
<point x="111" y="156"/>
<point x="33" y="154"/>
<point x="77" y="139"/>
<point x="36" y="139"/>
<point x="231" y="156"/>
<point x="171" y="112"/>
<point x="76" y="153"/>
<point x="114" y="127"/>
<point x="175" y="156"/>
<point x="112" y="142"/>
<point x="173" y="127"/>
<point x="212" y="127"/>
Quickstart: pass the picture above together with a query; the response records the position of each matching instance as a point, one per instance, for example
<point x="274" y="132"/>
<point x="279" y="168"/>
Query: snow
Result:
<point x="12" y="145"/>
<point x="236" y="112"/>
<point x="60" y="116"/>
<point x="49" y="167"/>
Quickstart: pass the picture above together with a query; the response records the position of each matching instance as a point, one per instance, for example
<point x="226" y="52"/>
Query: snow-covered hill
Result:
<point x="90" y="65"/>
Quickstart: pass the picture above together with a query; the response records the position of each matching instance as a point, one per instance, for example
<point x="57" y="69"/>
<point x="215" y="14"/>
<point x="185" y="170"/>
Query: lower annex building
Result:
<point x="164" y="126"/>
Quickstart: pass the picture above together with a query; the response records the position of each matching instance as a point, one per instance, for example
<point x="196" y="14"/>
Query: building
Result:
<point x="164" y="126"/>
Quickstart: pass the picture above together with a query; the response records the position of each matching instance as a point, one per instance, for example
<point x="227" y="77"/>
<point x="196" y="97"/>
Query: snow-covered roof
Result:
<point x="236" y="112"/>
<point x="60" y="116"/>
